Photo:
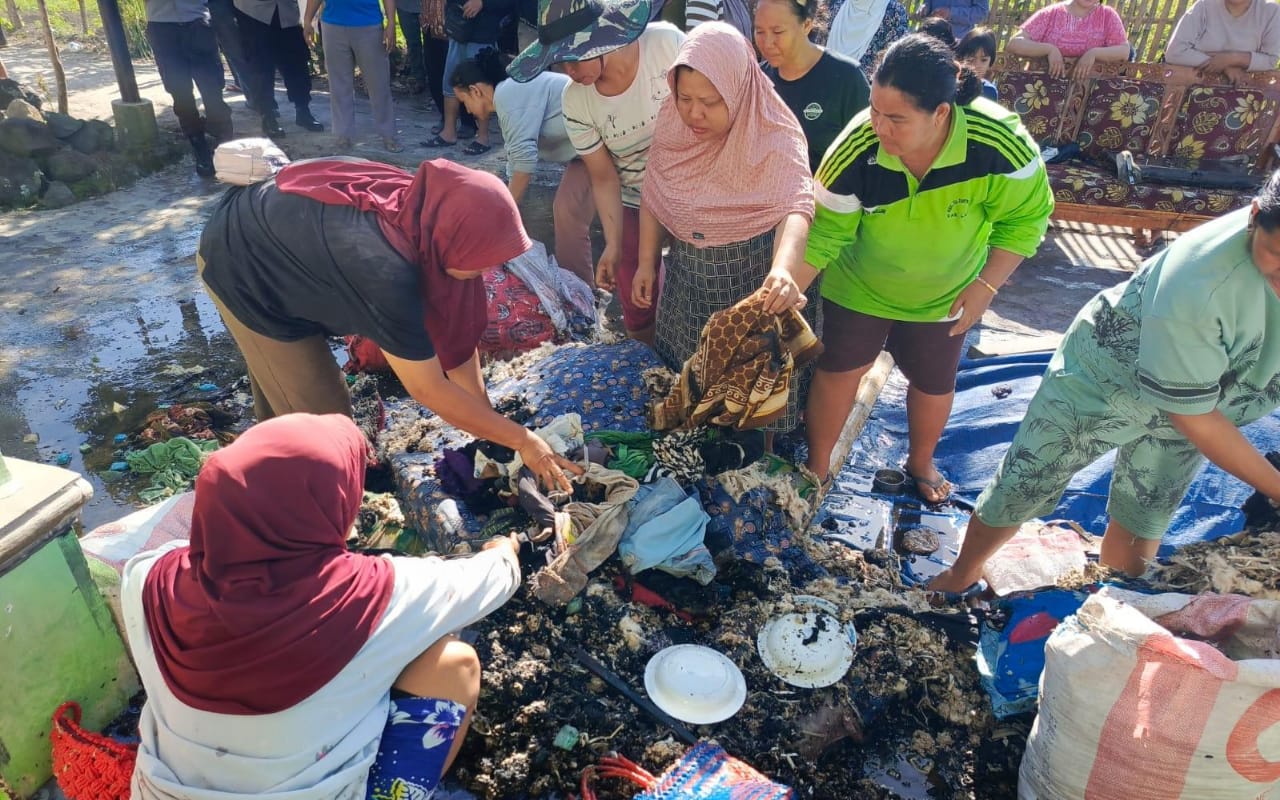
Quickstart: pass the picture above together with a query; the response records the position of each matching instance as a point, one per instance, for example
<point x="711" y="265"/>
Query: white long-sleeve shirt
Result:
<point x="321" y="748"/>
<point x="1208" y="28"/>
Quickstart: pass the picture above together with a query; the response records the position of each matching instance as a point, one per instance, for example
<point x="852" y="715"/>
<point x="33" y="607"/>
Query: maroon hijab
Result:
<point x="266" y="606"/>
<point x="476" y="229"/>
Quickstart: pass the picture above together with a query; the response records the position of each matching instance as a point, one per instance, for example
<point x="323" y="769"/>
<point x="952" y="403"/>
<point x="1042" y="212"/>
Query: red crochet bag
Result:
<point x="88" y="765"/>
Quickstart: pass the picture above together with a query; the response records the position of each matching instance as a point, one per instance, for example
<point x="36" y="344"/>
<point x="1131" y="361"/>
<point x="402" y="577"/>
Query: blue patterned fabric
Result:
<point x="602" y="383"/>
<point x="757" y="528"/>
<point x="1010" y="659"/>
<point x="415" y="743"/>
<point x="707" y="772"/>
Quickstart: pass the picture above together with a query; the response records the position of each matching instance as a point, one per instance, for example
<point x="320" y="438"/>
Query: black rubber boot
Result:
<point x="306" y="121"/>
<point x="271" y="126"/>
<point x="203" y="154"/>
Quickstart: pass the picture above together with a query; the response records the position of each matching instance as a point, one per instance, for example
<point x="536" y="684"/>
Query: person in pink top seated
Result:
<point x="1084" y="30"/>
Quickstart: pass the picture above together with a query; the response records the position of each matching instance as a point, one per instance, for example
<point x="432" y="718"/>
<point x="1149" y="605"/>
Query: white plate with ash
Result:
<point x="808" y="646"/>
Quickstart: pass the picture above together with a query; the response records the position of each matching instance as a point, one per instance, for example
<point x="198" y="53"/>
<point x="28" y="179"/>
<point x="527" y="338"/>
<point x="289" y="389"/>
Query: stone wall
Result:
<point x="51" y="159"/>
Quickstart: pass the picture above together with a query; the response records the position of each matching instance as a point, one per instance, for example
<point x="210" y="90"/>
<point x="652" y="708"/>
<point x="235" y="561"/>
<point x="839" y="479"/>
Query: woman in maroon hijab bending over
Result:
<point x="340" y="246"/>
<point x="279" y="665"/>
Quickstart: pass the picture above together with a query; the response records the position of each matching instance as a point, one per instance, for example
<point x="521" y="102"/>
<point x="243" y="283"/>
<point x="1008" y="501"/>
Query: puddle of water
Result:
<point x="910" y="777"/>
<point x="106" y="381"/>
<point x="96" y="361"/>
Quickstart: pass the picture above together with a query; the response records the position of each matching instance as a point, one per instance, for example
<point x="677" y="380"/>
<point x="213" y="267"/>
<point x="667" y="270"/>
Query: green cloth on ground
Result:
<point x="632" y="461"/>
<point x="172" y="465"/>
<point x="632" y="452"/>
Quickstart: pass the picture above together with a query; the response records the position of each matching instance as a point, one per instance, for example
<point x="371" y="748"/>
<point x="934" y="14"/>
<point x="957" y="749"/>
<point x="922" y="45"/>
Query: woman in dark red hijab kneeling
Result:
<point x="279" y="665"/>
<point x="340" y="246"/>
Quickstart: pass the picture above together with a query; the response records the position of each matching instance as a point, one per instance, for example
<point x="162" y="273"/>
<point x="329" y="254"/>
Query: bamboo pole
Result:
<point x="59" y="75"/>
<point x="14" y="16"/>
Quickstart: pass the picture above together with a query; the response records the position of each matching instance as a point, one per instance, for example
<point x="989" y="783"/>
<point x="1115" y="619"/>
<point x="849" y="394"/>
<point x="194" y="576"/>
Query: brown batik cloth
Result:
<point x="741" y="373"/>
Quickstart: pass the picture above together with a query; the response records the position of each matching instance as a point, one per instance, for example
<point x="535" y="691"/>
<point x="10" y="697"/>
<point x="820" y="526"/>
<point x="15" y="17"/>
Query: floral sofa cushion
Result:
<point x="1119" y="114"/>
<point x="1222" y="122"/>
<point x="1039" y="100"/>
<point x="1094" y="186"/>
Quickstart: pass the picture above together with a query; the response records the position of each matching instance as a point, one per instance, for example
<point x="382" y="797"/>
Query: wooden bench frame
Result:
<point x="1177" y="81"/>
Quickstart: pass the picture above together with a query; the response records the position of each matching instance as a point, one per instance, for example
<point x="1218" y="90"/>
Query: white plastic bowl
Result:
<point x="695" y="684"/>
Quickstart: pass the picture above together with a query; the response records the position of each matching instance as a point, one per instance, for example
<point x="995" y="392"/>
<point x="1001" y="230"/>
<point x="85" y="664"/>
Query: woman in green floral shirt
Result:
<point x="1164" y="369"/>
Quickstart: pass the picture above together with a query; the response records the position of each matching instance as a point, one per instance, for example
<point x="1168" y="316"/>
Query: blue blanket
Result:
<point x="983" y="423"/>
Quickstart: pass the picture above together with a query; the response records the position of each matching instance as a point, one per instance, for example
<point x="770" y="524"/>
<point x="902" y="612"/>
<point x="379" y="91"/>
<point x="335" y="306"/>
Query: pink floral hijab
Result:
<point x="734" y="188"/>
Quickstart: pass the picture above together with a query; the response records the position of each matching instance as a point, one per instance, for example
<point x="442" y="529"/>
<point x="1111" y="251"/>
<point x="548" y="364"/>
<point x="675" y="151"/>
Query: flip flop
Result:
<point x="437" y="141"/>
<point x="970" y="592"/>
<point x="936" y="485"/>
<point x="475" y="149"/>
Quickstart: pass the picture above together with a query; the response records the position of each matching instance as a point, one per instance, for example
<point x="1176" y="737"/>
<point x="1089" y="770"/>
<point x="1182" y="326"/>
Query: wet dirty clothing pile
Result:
<point x="678" y="512"/>
<point x="172" y="465"/>
<point x="200" y="421"/>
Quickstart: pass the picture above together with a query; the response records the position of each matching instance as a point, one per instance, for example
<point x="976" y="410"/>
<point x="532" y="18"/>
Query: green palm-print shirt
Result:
<point x="1197" y="328"/>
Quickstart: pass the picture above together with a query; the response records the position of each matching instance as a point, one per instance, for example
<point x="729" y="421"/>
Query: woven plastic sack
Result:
<point x="1136" y="704"/>
<point x="243" y="162"/>
<point x="88" y="765"/>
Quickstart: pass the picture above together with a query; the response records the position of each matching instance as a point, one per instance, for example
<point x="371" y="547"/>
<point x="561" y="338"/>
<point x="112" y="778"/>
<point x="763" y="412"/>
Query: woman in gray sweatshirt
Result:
<point x="532" y="124"/>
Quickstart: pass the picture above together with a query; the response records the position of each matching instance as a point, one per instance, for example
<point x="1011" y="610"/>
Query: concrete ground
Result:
<point x="101" y="314"/>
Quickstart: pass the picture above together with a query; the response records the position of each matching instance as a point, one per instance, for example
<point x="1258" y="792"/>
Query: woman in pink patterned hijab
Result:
<point x="728" y="180"/>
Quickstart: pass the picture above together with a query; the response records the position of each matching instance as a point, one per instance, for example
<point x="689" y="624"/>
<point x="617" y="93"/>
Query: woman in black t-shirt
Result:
<point x="824" y="90"/>
<point x="339" y="246"/>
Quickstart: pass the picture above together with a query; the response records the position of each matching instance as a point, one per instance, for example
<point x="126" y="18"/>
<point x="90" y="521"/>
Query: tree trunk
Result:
<point x="84" y="19"/>
<point x="14" y="16"/>
<point x="58" y="74"/>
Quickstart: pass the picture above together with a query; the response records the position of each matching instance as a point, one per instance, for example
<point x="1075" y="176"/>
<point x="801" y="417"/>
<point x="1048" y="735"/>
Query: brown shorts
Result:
<point x="926" y="352"/>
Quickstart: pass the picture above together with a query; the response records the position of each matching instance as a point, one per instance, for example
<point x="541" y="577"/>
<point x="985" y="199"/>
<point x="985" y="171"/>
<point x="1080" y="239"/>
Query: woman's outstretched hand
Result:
<point x="546" y="465"/>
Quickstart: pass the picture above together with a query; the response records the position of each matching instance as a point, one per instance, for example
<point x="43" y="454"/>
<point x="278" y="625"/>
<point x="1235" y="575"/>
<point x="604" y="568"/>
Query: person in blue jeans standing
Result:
<point x="186" y="51"/>
<point x="472" y="25"/>
<point x="355" y="36"/>
<point x="409" y="15"/>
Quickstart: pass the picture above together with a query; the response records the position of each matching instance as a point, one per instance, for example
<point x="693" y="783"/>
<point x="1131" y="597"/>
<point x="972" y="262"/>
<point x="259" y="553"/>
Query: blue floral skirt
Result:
<point x="419" y="734"/>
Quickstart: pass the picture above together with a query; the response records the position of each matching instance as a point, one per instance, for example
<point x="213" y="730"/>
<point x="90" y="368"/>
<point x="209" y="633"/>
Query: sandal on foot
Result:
<point x="970" y="592"/>
<point x="476" y="149"/>
<point x="941" y="484"/>
<point x="437" y="141"/>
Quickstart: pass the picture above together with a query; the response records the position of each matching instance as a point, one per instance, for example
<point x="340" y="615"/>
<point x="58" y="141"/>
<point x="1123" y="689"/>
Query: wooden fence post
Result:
<point x="59" y="75"/>
<point x="14" y="16"/>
